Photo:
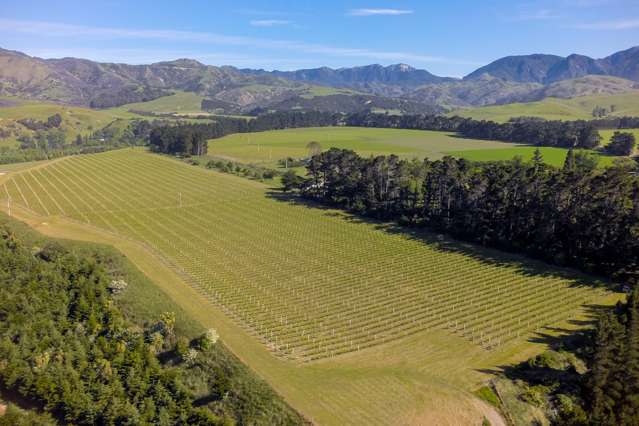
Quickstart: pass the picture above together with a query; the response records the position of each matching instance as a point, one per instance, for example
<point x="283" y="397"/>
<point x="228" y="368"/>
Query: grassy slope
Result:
<point x="423" y="379"/>
<point x="556" y="109"/>
<point x="314" y="91"/>
<point x="268" y="147"/>
<point x="180" y="102"/>
<point x="74" y="119"/>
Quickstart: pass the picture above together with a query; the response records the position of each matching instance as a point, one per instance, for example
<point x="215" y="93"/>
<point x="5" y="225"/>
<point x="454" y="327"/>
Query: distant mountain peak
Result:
<point x="402" y="67"/>
<point x="547" y="69"/>
<point x="183" y="62"/>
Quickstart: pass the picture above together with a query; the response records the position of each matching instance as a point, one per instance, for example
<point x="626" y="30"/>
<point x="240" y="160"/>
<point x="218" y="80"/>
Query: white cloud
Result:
<point x="536" y="15"/>
<point x="52" y="29"/>
<point x="379" y="12"/>
<point x="269" y="22"/>
<point x="622" y="24"/>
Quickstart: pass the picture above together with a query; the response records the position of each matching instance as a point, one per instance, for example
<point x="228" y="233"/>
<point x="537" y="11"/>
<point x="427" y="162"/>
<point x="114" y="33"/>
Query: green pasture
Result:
<point x="268" y="147"/>
<point x="179" y="102"/>
<point x="551" y="155"/>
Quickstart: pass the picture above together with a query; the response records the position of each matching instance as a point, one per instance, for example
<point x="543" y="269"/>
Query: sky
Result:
<point x="449" y="38"/>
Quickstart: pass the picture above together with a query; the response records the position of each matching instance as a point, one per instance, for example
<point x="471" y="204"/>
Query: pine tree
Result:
<point x="569" y="163"/>
<point x="629" y="409"/>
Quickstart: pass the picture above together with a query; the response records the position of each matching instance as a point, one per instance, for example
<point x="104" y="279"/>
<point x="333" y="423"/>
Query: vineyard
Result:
<point x="309" y="283"/>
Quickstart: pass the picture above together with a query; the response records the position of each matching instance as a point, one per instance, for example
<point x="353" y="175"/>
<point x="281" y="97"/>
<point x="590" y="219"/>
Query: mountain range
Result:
<point x="510" y="79"/>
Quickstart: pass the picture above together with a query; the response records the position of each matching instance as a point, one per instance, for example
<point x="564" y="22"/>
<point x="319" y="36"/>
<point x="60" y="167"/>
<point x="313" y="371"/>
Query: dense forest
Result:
<point x="68" y="349"/>
<point x="579" y="215"/>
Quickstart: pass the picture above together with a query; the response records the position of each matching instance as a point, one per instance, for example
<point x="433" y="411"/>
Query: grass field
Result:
<point x="607" y="134"/>
<point x="552" y="156"/>
<point x="179" y="102"/>
<point x="268" y="147"/>
<point x="306" y="284"/>
<point x="579" y="108"/>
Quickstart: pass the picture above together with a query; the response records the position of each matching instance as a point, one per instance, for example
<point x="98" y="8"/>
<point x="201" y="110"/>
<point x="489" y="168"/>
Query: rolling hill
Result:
<point x="579" y="108"/>
<point x="230" y="90"/>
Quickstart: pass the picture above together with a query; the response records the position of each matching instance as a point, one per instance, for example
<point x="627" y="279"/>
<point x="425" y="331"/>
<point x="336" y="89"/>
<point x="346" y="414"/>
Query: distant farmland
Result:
<point x="306" y="282"/>
<point x="269" y="147"/>
<point x="551" y="155"/>
<point x="579" y="108"/>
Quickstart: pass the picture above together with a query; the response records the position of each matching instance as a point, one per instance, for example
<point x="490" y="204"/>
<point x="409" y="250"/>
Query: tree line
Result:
<point x="567" y="134"/>
<point x="190" y="139"/>
<point x="612" y="387"/>
<point x="578" y="215"/>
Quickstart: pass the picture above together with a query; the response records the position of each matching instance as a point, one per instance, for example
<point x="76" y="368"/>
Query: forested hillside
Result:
<point x="67" y="348"/>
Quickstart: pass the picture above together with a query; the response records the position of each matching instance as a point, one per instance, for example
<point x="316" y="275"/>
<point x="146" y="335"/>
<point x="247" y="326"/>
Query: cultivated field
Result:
<point x="268" y="147"/>
<point x="430" y="317"/>
<point x="307" y="285"/>
<point x="579" y="108"/>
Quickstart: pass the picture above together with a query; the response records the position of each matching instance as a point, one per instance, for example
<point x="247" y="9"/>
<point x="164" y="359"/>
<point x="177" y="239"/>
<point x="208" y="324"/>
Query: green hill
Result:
<point x="626" y="104"/>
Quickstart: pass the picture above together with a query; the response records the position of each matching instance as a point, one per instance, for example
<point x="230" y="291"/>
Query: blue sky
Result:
<point x="449" y="38"/>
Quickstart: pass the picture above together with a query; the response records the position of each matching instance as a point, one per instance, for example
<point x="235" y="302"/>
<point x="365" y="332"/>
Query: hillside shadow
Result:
<point x="522" y="264"/>
<point x="562" y="368"/>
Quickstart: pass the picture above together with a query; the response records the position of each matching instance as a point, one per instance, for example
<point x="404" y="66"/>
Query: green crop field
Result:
<point x="363" y="324"/>
<point x="268" y="147"/>
<point x="579" y="108"/>
<point x="551" y="155"/>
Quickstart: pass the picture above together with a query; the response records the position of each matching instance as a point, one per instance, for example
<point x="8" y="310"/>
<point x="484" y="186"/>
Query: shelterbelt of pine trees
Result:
<point x="577" y="215"/>
<point x="613" y="388"/>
